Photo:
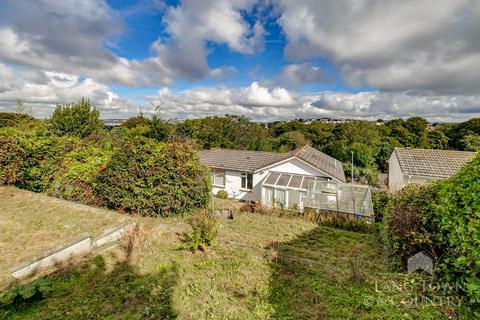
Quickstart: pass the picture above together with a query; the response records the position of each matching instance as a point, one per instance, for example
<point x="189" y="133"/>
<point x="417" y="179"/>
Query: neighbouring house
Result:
<point x="269" y="177"/>
<point x="407" y="165"/>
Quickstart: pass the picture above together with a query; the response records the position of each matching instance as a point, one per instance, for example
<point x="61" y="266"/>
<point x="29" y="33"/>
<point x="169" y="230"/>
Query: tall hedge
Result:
<point x="12" y="158"/>
<point x="154" y="179"/>
<point x="442" y="219"/>
<point x="458" y="218"/>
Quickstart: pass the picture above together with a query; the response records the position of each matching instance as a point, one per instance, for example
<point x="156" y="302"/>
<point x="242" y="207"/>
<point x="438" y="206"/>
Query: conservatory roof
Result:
<point x="289" y="181"/>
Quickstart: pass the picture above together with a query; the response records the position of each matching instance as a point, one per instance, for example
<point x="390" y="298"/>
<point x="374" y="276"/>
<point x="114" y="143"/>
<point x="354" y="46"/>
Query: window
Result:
<point x="280" y="197"/>
<point x="218" y="177"/>
<point x="247" y="181"/>
<point x="269" y="196"/>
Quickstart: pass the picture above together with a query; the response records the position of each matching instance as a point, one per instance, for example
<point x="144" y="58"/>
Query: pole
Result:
<point x="352" y="166"/>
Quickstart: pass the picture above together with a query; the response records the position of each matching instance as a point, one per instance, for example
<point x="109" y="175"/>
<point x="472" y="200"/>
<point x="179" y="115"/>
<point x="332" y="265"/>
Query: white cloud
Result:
<point x="295" y="75"/>
<point x="192" y="24"/>
<point x="58" y="88"/>
<point x="261" y="103"/>
<point x="390" y="45"/>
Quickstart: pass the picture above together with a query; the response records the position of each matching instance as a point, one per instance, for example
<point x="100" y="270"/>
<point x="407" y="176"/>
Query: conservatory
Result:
<point x="299" y="192"/>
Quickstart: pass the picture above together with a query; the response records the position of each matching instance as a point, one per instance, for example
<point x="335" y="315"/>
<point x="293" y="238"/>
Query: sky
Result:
<point x="266" y="59"/>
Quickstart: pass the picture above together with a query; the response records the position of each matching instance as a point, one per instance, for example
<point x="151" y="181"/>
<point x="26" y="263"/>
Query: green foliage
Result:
<point x="437" y="139"/>
<point x="204" y="232"/>
<point x="222" y="194"/>
<point x="457" y="215"/>
<point x="380" y="200"/>
<point x="345" y="223"/>
<point x="231" y="131"/>
<point x="79" y="119"/>
<point x="43" y="159"/>
<point x="471" y="142"/>
<point x="12" y="158"/>
<point x="457" y="132"/>
<point x="21" y="294"/>
<point x="408" y="222"/>
<point x="14" y="119"/>
<point x="77" y="173"/>
<point x="291" y="140"/>
<point x="136" y="122"/>
<point x="156" y="179"/>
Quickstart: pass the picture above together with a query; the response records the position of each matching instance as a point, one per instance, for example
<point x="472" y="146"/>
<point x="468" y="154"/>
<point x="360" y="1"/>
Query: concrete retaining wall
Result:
<point x="112" y="235"/>
<point x="78" y="247"/>
<point x="81" y="246"/>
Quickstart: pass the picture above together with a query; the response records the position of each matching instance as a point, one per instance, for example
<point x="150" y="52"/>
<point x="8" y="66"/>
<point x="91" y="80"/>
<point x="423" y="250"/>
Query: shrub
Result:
<point x="380" y="200"/>
<point x="408" y="226"/>
<point x="14" y="119"/>
<point x="457" y="216"/>
<point x="79" y="119"/>
<point x="156" y="179"/>
<point x="344" y="223"/>
<point x="222" y="194"/>
<point x="20" y="294"/>
<point x="77" y="173"/>
<point x="204" y="232"/>
<point x="12" y="158"/>
<point x="43" y="158"/>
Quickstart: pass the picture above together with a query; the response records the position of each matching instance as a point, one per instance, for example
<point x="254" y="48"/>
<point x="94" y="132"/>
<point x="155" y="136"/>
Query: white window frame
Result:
<point x="245" y="178"/>
<point x="214" y="174"/>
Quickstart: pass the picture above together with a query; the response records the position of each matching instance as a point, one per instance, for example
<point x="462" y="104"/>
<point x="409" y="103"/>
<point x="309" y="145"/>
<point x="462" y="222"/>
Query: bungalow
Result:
<point x="408" y="165"/>
<point x="268" y="177"/>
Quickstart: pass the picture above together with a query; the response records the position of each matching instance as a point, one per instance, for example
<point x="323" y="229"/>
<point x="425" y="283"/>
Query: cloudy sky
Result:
<point x="267" y="59"/>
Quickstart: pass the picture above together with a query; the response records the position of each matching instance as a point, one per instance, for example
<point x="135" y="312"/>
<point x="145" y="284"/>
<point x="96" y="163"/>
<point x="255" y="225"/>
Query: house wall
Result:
<point x="395" y="174"/>
<point x="397" y="179"/>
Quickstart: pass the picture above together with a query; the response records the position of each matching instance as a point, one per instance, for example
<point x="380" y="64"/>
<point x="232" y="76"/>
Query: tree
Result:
<point x="458" y="132"/>
<point x="437" y="139"/>
<point x="136" y="121"/>
<point x="471" y="142"/>
<point x="79" y="119"/>
<point x="418" y="126"/>
<point x="291" y="140"/>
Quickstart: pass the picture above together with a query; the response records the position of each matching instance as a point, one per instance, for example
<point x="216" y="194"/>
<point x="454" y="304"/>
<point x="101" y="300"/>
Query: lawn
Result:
<point x="263" y="267"/>
<point x="32" y="223"/>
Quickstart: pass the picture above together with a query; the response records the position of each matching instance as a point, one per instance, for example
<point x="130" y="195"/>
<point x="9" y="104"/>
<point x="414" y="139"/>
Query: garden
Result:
<point x="183" y="261"/>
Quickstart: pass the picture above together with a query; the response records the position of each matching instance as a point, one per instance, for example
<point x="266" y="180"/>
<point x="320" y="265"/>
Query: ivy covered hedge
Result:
<point x="442" y="219"/>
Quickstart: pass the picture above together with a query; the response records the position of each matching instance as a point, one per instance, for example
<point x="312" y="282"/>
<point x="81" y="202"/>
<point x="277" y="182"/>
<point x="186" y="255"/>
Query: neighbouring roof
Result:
<point x="250" y="161"/>
<point x="431" y="162"/>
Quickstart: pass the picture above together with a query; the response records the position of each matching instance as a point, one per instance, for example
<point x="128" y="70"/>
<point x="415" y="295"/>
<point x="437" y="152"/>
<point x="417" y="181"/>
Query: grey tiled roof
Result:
<point x="240" y="160"/>
<point x="321" y="161"/>
<point x="250" y="161"/>
<point x="430" y="162"/>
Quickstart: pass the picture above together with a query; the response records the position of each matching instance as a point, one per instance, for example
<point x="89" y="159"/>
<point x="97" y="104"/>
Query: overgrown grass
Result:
<point x="32" y="223"/>
<point x="264" y="267"/>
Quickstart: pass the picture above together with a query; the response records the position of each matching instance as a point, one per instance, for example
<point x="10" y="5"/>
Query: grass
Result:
<point x="263" y="267"/>
<point x="32" y="223"/>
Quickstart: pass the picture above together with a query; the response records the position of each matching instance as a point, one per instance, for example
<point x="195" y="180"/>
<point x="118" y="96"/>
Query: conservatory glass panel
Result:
<point x="272" y="178"/>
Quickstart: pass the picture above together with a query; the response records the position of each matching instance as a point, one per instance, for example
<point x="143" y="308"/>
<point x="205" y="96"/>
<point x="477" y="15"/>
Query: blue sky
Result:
<point x="267" y="59"/>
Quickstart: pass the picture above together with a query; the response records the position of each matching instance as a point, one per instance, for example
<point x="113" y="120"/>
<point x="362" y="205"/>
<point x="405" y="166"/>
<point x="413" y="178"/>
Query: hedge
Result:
<point x="155" y="179"/>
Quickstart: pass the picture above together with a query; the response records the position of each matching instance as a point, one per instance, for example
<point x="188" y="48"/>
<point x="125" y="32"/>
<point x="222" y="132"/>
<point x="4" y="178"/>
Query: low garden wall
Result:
<point x="81" y="246"/>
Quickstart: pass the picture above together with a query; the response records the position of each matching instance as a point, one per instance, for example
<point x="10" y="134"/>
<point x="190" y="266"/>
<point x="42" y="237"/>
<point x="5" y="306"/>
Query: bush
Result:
<point x="44" y="155"/>
<point x="155" y="179"/>
<point x="77" y="173"/>
<point x="380" y="200"/>
<point x="344" y="223"/>
<point x="222" y="194"/>
<point x="457" y="216"/>
<point x="14" y="119"/>
<point x="79" y="119"/>
<point x="204" y="232"/>
<point x="12" y="158"/>
<point x="408" y="222"/>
